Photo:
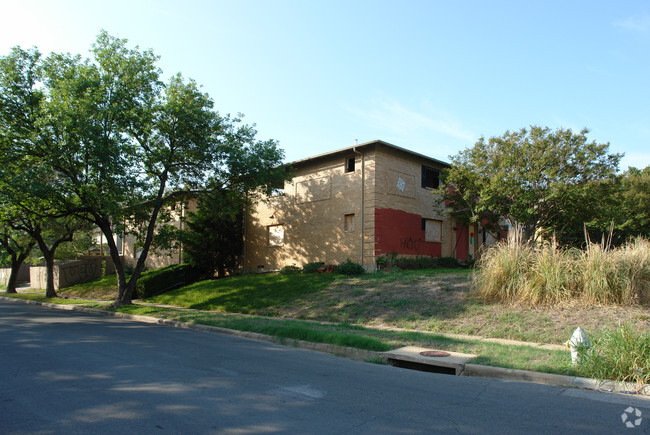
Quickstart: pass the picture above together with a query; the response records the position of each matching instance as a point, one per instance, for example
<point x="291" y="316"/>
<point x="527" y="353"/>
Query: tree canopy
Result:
<point x="536" y="178"/>
<point x="116" y="142"/>
<point x="633" y="207"/>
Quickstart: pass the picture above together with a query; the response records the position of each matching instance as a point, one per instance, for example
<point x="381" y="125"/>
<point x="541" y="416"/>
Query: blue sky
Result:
<point x="430" y="76"/>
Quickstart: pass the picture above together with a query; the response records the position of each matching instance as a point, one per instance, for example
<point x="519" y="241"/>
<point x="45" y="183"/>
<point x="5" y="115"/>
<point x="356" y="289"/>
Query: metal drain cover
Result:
<point x="435" y="353"/>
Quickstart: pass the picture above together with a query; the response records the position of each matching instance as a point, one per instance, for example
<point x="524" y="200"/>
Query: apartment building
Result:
<point x="360" y="203"/>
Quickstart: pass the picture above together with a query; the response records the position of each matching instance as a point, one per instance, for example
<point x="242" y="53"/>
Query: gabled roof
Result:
<point x="366" y="145"/>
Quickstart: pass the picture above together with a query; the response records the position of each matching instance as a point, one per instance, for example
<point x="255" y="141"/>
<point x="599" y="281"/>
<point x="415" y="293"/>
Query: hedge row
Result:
<point x="415" y="263"/>
<point x="347" y="268"/>
<point x="157" y="281"/>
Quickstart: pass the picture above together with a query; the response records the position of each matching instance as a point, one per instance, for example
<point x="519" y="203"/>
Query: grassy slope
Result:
<point x="518" y="357"/>
<point x="421" y="301"/>
<point x="246" y="294"/>
<point x="431" y="300"/>
<point x="103" y="288"/>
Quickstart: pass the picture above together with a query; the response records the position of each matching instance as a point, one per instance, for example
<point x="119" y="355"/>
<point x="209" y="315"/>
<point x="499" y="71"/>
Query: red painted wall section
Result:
<point x="401" y="232"/>
<point x="462" y="242"/>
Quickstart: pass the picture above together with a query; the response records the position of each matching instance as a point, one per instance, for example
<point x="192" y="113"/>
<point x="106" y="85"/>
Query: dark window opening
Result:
<point x="349" y="164"/>
<point x="348" y="225"/>
<point x="430" y="178"/>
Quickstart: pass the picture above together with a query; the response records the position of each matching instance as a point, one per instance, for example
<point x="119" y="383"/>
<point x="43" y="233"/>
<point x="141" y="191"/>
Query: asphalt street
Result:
<point x="69" y="372"/>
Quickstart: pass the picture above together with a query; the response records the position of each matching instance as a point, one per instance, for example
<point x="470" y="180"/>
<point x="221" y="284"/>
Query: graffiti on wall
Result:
<point x="411" y="244"/>
<point x="402" y="232"/>
<point x="79" y="271"/>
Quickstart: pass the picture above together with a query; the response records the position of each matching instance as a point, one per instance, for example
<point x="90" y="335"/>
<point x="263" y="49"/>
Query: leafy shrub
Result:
<point x="157" y="281"/>
<point x="349" y="268"/>
<point x="290" y="270"/>
<point x="312" y="267"/>
<point x="448" y="262"/>
<point x="415" y="263"/>
<point x="621" y="355"/>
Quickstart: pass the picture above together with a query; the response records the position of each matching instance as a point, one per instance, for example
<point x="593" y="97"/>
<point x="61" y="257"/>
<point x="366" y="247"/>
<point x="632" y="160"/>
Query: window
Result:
<point x="277" y="189"/>
<point x="277" y="192"/>
<point x="276" y="235"/>
<point x="349" y="164"/>
<point x="430" y="177"/>
<point x="348" y="223"/>
<point x="432" y="230"/>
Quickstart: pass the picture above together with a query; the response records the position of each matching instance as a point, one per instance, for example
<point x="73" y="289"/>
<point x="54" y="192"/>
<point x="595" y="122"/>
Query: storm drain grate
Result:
<point x="428" y="360"/>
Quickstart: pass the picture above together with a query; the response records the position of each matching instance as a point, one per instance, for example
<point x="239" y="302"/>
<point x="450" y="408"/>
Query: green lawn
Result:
<point x="103" y="288"/>
<point x="247" y="293"/>
<point x="40" y="297"/>
<point x="493" y="354"/>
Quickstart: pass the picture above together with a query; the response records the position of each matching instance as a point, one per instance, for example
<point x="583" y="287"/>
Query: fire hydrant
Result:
<point x="577" y="340"/>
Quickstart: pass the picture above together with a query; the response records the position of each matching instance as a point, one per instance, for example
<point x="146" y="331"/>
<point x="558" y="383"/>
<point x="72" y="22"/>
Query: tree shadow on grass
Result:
<point x="247" y="293"/>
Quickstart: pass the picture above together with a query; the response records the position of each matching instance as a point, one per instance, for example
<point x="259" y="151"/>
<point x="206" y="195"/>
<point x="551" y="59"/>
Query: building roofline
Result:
<point x="368" y="145"/>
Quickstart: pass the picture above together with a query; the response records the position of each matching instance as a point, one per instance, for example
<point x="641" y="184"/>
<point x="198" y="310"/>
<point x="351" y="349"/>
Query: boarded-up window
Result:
<point x="276" y="235"/>
<point x="349" y="223"/>
<point x="432" y="230"/>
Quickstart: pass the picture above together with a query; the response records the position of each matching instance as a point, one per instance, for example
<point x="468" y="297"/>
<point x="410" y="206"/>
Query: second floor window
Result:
<point x="430" y="177"/>
<point x="349" y="164"/>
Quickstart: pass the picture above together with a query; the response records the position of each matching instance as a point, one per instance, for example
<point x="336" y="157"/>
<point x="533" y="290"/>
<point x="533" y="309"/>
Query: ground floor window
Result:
<point x="432" y="230"/>
<point x="276" y="235"/>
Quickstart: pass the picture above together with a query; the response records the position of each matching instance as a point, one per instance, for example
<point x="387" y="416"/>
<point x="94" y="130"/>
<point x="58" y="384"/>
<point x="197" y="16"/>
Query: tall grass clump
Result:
<point x="616" y="276"/>
<point x="501" y="271"/>
<point x="550" y="277"/>
<point x="620" y="355"/>
<point x="528" y="274"/>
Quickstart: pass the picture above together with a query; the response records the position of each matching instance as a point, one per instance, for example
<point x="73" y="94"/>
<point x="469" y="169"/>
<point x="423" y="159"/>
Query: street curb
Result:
<point x="557" y="380"/>
<point x="347" y="352"/>
<point x="473" y="370"/>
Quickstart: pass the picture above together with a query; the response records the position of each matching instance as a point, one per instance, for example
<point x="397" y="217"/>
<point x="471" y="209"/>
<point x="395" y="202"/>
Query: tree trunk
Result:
<point x="123" y="292"/>
<point x="49" y="267"/>
<point x="13" y="277"/>
<point x="16" y="261"/>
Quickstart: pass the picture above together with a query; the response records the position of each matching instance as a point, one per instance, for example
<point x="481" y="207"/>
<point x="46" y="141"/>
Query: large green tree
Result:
<point x="121" y="142"/>
<point x="26" y="183"/>
<point x="20" y="99"/>
<point x="536" y="178"/>
<point x="634" y="199"/>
